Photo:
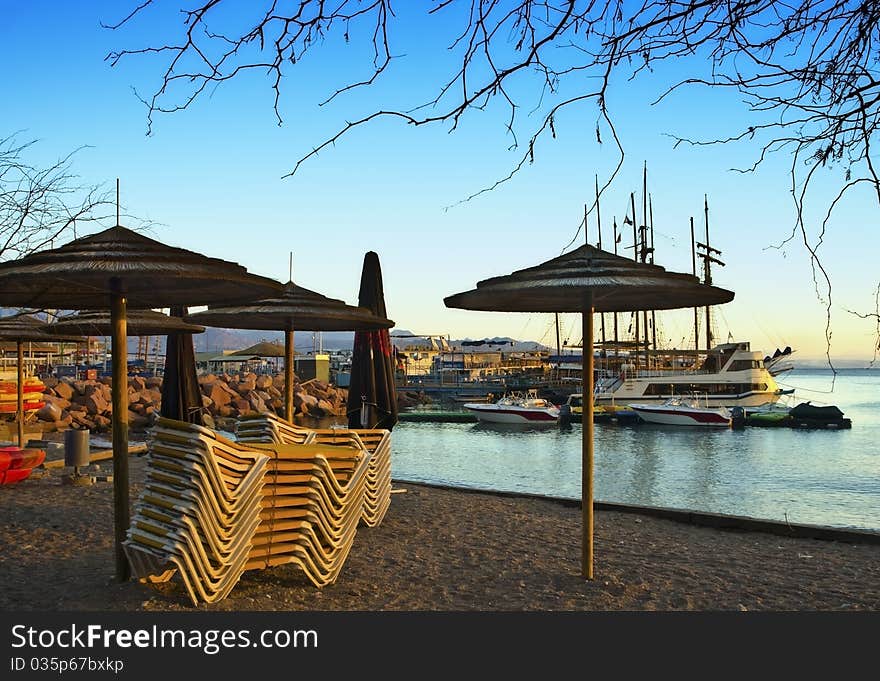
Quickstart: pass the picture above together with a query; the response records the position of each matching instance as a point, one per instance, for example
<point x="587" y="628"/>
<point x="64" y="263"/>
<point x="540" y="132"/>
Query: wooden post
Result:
<point x="587" y="444"/>
<point x="20" y="393"/>
<point x="288" y="375"/>
<point x="119" y="397"/>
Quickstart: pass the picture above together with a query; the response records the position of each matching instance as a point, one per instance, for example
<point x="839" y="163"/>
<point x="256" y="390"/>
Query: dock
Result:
<point x="437" y="416"/>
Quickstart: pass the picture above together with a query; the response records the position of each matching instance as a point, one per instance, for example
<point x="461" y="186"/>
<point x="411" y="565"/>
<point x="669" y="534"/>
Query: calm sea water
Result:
<point x="820" y="477"/>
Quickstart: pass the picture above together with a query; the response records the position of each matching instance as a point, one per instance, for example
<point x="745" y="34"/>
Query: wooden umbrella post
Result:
<point x="20" y="394"/>
<point x="587" y="434"/>
<point x="119" y="397"/>
<point x="288" y="375"/>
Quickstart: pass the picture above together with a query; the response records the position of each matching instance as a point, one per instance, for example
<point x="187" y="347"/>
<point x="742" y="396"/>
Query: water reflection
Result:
<point x="819" y="477"/>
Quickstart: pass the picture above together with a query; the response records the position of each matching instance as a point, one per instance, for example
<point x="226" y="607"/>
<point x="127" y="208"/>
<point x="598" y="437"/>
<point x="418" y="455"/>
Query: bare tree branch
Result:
<point x="806" y="69"/>
<point x="39" y="206"/>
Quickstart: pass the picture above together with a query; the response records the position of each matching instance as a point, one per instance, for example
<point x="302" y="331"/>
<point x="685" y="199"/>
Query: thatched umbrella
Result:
<point x="589" y="280"/>
<point x="120" y="268"/>
<point x="372" y="394"/>
<point x="262" y="349"/>
<point x="181" y="399"/>
<point x="296" y="307"/>
<point x="137" y="323"/>
<point x="21" y="328"/>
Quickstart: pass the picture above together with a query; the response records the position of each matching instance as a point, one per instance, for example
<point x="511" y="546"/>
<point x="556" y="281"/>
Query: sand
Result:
<point x="446" y="550"/>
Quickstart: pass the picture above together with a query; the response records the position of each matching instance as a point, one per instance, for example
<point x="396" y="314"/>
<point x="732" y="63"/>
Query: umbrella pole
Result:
<point x="288" y="375"/>
<point x="587" y="444"/>
<point x="119" y="396"/>
<point x="20" y="394"/>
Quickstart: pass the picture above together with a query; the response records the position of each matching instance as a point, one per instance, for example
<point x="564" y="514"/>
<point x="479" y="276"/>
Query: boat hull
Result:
<point x="492" y="414"/>
<point x="669" y="416"/>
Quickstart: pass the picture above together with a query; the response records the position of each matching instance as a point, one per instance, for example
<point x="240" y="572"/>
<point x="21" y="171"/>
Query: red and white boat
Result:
<point x="679" y="411"/>
<point x="516" y="408"/>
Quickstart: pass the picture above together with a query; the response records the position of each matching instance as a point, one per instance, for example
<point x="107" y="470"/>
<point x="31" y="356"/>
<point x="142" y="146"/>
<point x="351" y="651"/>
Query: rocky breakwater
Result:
<point x="87" y="404"/>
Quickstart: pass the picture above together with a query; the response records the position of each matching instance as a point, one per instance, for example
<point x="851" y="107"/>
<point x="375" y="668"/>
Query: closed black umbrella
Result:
<point x="181" y="397"/>
<point x="372" y="394"/>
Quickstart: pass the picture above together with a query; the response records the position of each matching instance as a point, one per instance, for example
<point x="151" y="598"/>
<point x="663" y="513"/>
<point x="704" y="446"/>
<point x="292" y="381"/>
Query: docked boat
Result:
<point x="573" y="410"/>
<point x="680" y="411"/>
<point x="729" y="375"/>
<point x="516" y="407"/>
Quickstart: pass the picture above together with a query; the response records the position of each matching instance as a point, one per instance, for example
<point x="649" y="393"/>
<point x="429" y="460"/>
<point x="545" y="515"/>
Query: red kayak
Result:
<point x="14" y="475"/>
<point x="16" y="463"/>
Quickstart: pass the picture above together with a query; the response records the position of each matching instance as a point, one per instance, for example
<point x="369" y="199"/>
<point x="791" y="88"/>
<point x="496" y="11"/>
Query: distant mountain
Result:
<point x="402" y="338"/>
<point x="303" y="341"/>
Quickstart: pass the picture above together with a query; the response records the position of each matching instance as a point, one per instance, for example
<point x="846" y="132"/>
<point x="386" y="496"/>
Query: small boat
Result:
<point x="573" y="410"/>
<point x="516" y="407"/>
<point x="680" y="411"/>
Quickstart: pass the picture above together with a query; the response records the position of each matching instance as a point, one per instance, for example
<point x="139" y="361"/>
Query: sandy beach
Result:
<point x="446" y="550"/>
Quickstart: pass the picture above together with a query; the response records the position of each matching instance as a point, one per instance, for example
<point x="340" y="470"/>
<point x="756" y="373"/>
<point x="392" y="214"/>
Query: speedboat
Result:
<point x="516" y="407"/>
<point x="679" y="411"/>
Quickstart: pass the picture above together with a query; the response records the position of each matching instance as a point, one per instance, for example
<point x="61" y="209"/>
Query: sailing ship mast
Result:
<point x="632" y="200"/>
<point x="599" y="230"/>
<point x="694" y="267"/>
<point x="708" y="259"/>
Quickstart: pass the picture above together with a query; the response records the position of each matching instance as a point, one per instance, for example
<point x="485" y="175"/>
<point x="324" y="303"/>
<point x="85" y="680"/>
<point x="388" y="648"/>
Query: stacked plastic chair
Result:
<point x="269" y="428"/>
<point x="312" y="503"/>
<point x="199" y="510"/>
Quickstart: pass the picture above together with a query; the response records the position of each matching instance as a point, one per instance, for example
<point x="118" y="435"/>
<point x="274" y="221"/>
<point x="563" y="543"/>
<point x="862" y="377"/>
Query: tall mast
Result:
<point x="708" y="259"/>
<point x="694" y="267"/>
<point x="653" y="316"/>
<point x="632" y="201"/>
<point x="643" y="236"/>
<point x="599" y="230"/>
<point x="616" y="237"/>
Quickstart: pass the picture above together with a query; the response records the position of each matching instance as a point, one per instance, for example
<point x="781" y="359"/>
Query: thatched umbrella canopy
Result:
<point x="180" y="397"/>
<point x="262" y="349"/>
<point x="138" y="323"/>
<point x="119" y="268"/>
<point x="296" y="307"/>
<point x="589" y="280"/>
<point x="22" y="328"/>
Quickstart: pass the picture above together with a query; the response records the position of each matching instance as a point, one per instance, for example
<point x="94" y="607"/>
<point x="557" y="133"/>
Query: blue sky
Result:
<point x="211" y="178"/>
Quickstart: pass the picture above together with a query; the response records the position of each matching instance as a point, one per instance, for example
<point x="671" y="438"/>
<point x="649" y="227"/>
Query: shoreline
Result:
<point x="690" y="516"/>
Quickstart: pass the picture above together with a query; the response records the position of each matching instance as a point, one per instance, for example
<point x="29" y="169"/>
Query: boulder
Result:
<point x="64" y="390"/>
<point x="256" y="402"/>
<point x="50" y="412"/>
<point x="154" y="383"/>
<point x="63" y="422"/>
<point x="323" y="408"/>
<point x="59" y="402"/>
<point x="50" y="382"/>
<point x="137" y="421"/>
<point x="137" y="382"/>
<point x="263" y="382"/>
<point x="95" y="403"/>
<point x="218" y="396"/>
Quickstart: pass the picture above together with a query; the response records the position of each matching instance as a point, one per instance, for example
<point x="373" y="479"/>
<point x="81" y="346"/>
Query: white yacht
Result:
<point x="729" y="375"/>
